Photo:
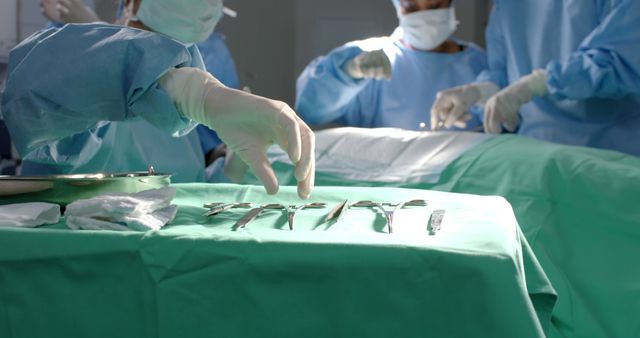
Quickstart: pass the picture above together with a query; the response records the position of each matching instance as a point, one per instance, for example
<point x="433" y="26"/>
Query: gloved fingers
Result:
<point x="306" y="185"/>
<point x="491" y="123"/>
<point x="440" y="110"/>
<point x="374" y="67"/>
<point x="369" y="71"/>
<point x="511" y="122"/>
<point x="436" y="121"/>
<point x="63" y="7"/>
<point x="257" y="160"/>
<point x="49" y="10"/>
<point x="350" y="68"/>
<point x="462" y="123"/>
<point x="234" y="168"/>
<point x="386" y="67"/>
<point x="379" y="73"/>
<point x="75" y="11"/>
<point x="382" y="66"/>
<point x="66" y="5"/>
<point x="456" y="113"/>
<point x="306" y="165"/>
<point x="291" y="140"/>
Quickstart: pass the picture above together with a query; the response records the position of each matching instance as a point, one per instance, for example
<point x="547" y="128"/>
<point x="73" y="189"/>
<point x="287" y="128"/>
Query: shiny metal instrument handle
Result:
<point x="292" y="209"/>
<point x="338" y="212"/>
<point x="216" y="208"/>
<point x="247" y="218"/>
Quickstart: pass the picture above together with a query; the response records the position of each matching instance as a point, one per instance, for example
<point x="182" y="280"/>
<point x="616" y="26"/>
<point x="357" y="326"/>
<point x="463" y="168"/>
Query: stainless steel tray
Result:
<point x="64" y="189"/>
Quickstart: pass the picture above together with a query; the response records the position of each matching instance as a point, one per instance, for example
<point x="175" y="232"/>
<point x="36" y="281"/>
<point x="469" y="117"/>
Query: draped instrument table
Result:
<point x="476" y="277"/>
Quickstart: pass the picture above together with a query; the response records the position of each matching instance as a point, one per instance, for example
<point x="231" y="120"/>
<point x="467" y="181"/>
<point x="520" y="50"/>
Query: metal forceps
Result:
<point x="388" y="214"/>
<point x="292" y="209"/>
<point x="253" y="214"/>
<point x="216" y="208"/>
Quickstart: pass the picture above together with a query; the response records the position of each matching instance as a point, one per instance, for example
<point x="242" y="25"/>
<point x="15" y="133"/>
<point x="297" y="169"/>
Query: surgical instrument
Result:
<point x="292" y="209"/>
<point x="253" y="214"/>
<point x="435" y="221"/>
<point x="338" y="212"/>
<point x="216" y="208"/>
<point x="388" y="214"/>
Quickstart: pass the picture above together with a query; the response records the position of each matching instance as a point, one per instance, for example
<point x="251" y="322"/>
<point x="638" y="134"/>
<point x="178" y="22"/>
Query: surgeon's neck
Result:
<point x="139" y="25"/>
<point x="447" y="47"/>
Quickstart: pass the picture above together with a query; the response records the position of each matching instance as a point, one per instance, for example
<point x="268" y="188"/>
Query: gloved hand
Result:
<point x="451" y="107"/>
<point x="247" y="123"/>
<point x="502" y="108"/>
<point x="369" y="65"/>
<point x="49" y="9"/>
<point x="75" y="11"/>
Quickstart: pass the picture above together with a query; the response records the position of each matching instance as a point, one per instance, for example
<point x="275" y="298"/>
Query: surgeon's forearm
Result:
<point x="325" y="92"/>
<point x="188" y="87"/>
<point x="201" y="97"/>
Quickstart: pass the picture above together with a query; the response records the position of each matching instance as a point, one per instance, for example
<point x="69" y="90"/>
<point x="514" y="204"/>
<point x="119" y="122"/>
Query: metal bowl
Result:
<point x="64" y="189"/>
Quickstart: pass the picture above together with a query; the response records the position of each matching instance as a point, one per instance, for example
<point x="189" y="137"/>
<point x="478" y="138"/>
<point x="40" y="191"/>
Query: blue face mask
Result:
<point x="189" y="21"/>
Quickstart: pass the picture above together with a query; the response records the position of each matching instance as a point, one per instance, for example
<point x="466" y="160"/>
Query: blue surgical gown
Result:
<point x="591" y="51"/>
<point x="85" y="98"/>
<point x="325" y="93"/>
<point x="217" y="58"/>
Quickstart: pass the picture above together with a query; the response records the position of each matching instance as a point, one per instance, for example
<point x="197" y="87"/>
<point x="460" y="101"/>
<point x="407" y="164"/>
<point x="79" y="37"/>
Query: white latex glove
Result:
<point x="75" y="11"/>
<point x="369" y="65"/>
<point x="502" y="108"/>
<point x="247" y="123"/>
<point x="49" y="9"/>
<point x="451" y="107"/>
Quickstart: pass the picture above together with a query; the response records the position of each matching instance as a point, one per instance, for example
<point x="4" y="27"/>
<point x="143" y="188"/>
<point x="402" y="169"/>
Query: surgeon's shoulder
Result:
<point x="108" y="33"/>
<point x="474" y="54"/>
<point x="471" y="48"/>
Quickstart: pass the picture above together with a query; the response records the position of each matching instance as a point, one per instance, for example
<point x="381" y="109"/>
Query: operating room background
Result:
<point x="272" y="41"/>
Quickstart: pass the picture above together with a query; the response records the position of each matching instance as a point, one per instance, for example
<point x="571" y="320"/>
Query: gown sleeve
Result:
<point x="607" y="63"/>
<point x="65" y="81"/>
<point x="496" y="55"/>
<point x="325" y="92"/>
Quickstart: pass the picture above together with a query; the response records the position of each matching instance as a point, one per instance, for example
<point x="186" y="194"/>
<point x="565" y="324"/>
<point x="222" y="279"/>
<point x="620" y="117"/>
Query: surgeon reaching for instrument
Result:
<point x="390" y="81"/>
<point x="99" y="97"/>
<point x="563" y="71"/>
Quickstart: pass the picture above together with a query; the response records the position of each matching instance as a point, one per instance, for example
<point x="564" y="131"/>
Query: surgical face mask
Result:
<point x="428" y="29"/>
<point x="189" y="21"/>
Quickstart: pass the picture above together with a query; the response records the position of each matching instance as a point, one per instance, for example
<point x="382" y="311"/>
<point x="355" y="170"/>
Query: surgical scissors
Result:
<point x="216" y="208"/>
<point x="253" y="214"/>
<point x="388" y="214"/>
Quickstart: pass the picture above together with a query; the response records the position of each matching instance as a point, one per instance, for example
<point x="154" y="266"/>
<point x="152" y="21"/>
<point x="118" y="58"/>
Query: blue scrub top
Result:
<point x="591" y="51"/>
<point x="325" y="93"/>
<point x="85" y="98"/>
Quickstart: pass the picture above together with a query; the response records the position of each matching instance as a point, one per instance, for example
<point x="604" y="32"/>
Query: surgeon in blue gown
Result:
<point x="100" y="97"/>
<point x="390" y="81"/>
<point x="563" y="71"/>
<point x="214" y="50"/>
